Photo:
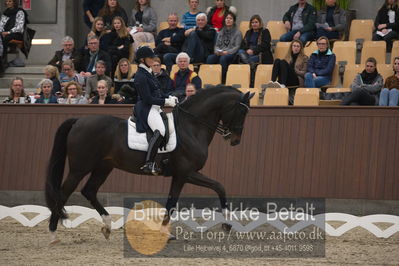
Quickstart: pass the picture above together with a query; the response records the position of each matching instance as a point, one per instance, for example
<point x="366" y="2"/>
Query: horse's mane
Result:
<point x="204" y="94"/>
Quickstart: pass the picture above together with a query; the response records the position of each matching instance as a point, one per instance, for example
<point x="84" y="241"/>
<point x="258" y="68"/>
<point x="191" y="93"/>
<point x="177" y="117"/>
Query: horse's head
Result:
<point x="233" y="119"/>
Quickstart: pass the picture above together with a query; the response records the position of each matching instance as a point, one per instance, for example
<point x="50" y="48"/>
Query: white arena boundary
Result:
<point x="349" y="221"/>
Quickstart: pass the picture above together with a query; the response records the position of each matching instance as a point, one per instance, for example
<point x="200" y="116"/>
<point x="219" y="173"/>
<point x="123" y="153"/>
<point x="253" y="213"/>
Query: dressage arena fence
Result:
<point x="349" y="221"/>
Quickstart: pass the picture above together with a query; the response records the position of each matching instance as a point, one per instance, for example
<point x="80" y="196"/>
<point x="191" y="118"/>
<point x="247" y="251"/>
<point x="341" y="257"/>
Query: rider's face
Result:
<point x="149" y="61"/>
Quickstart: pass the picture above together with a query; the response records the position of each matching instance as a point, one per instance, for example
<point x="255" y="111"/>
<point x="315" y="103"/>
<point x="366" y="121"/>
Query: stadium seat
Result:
<point x="244" y="26"/>
<point x="281" y="50"/>
<point x="276" y="97"/>
<point x="238" y="75"/>
<point x="335" y="78"/>
<point x="276" y="28"/>
<point x="134" y="67"/>
<point x="395" y="51"/>
<point x="255" y="100"/>
<point x="149" y="44"/>
<point x="210" y="75"/>
<point x="376" y="49"/>
<point x="307" y="97"/>
<point x="309" y="48"/>
<point x="175" y="68"/>
<point x="263" y="75"/>
<point x="335" y="90"/>
<point x="350" y="72"/>
<point x="386" y="70"/>
<point x="361" y="29"/>
<point x="163" y="25"/>
<point x="345" y="51"/>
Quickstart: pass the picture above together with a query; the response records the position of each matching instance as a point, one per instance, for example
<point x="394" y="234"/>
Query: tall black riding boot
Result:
<point x="150" y="167"/>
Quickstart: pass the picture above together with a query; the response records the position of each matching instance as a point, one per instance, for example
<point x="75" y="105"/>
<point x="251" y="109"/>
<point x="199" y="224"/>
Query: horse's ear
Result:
<point x="251" y="95"/>
<point x="245" y="97"/>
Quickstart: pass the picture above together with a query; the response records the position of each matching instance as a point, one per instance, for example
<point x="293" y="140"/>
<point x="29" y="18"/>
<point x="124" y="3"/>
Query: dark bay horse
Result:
<point x="97" y="144"/>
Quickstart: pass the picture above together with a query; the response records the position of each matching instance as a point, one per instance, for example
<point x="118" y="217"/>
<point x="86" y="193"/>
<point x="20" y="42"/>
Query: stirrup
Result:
<point x="151" y="168"/>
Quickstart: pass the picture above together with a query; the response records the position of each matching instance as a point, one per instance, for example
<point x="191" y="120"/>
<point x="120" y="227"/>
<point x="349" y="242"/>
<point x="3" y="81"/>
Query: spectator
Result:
<point x="103" y="97"/>
<point x="228" y="42"/>
<point x="218" y="13"/>
<point x="291" y="70"/>
<point x="51" y="73"/>
<point x="184" y="76"/>
<point x="68" y="52"/>
<point x="144" y="19"/>
<point x="320" y="65"/>
<point x="200" y="40"/>
<point x="46" y="92"/>
<point x="73" y="94"/>
<point x="98" y="29"/>
<point x="124" y="80"/>
<point x="12" y="26"/>
<point x="169" y="41"/>
<point x="91" y="82"/>
<point x="110" y="10"/>
<point x="69" y="74"/>
<point x="162" y="76"/>
<point x="189" y="18"/>
<point x="17" y="92"/>
<point x="366" y="86"/>
<point x="119" y="41"/>
<point x="386" y="23"/>
<point x="390" y="94"/>
<point x="255" y="47"/>
<point x="91" y="9"/>
<point x="331" y="21"/>
<point x="190" y="90"/>
<point x="92" y="55"/>
<point x="299" y="21"/>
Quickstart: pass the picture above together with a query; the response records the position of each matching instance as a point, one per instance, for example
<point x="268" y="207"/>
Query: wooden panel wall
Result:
<point x="332" y="152"/>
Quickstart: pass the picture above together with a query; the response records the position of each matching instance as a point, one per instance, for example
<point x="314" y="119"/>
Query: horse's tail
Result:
<point x="55" y="169"/>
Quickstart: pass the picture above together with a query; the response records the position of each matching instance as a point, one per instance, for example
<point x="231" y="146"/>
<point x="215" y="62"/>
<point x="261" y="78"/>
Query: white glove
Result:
<point x="171" y="101"/>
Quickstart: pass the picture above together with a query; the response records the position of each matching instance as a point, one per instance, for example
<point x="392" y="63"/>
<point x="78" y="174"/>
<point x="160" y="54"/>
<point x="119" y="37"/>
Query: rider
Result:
<point x="148" y="107"/>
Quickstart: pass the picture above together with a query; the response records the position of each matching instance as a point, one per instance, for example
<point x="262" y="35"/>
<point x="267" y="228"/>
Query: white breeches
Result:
<point x="154" y="120"/>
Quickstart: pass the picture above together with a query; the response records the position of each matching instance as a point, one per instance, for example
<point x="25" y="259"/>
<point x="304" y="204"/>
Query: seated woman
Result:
<point x="320" y="65"/>
<point x="46" y="92"/>
<point x="386" y="23"/>
<point x="389" y="96"/>
<point x="144" y="19"/>
<point x="73" y="94"/>
<point x="91" y="82"/>
<point x="112" y="9"/>
<point x="366" y="86"/>
<point x="98" y="29"/>
<point x="189" y="18"/>
<point x="17" y="92"/>
<point x="51" y="73"/>
<point x="69" y="74"/>
<point x="162" y="76"/>
<point x="102" y="96"/>
<point x="118" y="42"/>
<point x="228" y="42"/>
<point x="12" y="26"/>
<point x="331" y="21"/>
<point x="124" y="81"/>
<point x="218" y="13"/>
<point x="290" y="71"/>
<point x="255" y="47"/>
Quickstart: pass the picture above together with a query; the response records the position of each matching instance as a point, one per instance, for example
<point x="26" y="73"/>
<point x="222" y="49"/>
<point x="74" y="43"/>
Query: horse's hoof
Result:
<point x="54" y="241"/>
<point x="226" y="227"/>
<point x="106" y="232"/>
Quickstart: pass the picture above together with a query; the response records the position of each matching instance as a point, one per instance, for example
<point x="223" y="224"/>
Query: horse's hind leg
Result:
<point x="96" y="179"/>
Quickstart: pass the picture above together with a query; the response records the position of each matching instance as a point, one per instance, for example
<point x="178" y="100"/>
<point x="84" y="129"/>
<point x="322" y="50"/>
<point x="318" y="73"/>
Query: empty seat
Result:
<point x="307" y="97"/>
<point x="263" y="75"/>
<point x="149" y="44"/>
<point x="238" y="75"/>
<point x="336" y="90"/>
<point x="350" y="73"/>
<point x="276" y="28"/>
<point x="376" y="49"/>
<point x="395" y="51"/>
<point x="386" y="70"/>
<point x="244" y="26"/>
<point x="310" y="48"/>
<point x="281" y="50"/>
<point x="134" y="67"/>
<point x="210" y="75"/>
<point x="276" y="97"/>
<point x="345" y="51"/>
<point x="255" y="100"/>
<point x="361" y="29"/>
<point x="175" y="68"/>
<point x="163" y="25"/>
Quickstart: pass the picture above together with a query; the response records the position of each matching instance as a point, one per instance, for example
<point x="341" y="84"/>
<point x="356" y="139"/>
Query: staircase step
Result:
<point x="30" y="80"/>
<point x="29" y="69"/>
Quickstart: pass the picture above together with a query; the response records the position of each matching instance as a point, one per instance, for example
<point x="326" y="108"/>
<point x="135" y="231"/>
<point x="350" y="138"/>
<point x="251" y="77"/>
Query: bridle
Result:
<point x="220" y="128"/>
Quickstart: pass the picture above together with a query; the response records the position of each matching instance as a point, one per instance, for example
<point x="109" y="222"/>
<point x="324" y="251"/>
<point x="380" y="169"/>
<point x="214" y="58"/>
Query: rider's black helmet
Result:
<point x="144" y="52"/>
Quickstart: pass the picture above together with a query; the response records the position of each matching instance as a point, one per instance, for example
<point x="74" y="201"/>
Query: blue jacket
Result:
<point x="149" y="94"/>
<point x="322" y="65"/>
<point x="53" y="99"/>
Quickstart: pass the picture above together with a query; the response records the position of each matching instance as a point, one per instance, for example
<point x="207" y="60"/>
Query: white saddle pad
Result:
<point x="138" y="141"/>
